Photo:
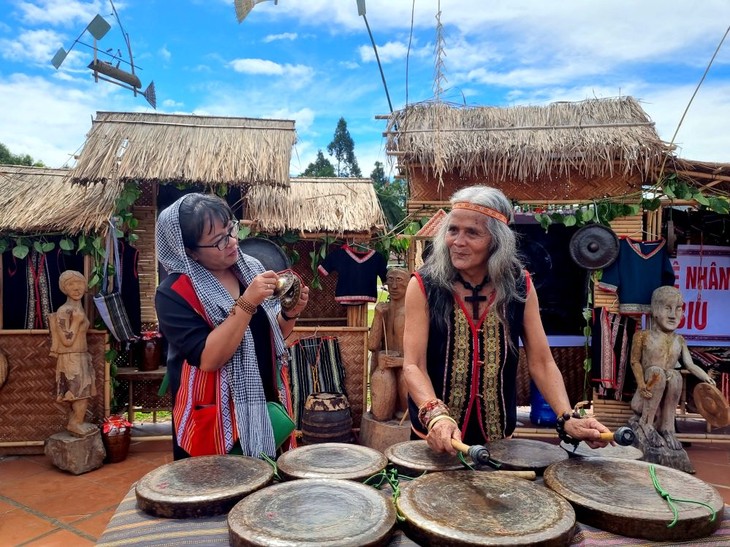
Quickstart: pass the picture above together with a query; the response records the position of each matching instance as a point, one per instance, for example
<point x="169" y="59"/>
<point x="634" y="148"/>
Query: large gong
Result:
<point x="619" y="496"/>
<point x="271" y="256"/>
<point x="594" y="247"/>
<point x="481" y="508"/>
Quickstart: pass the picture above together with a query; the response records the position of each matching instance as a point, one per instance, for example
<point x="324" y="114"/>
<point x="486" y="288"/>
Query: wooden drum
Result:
<point x="315" y="513"/>
<point x="619" y="496"/>
<point x="525" y="454"/>
<point x="327" y="418"/>
<point x="476" y="508"/>
<point x="202" y="486"/>
<point x="331" y="461"/>
<point x="415" y="457"/>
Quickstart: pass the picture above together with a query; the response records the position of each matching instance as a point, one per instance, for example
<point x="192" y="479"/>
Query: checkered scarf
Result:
<point x="240" y="376"/>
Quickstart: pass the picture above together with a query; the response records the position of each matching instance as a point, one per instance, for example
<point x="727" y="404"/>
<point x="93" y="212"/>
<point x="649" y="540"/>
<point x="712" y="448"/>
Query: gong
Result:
<point x="271" y="256"/>
<point x="314" y="513"/>
<point x="594" y="247"/>
<point x="202" y="486"/>
<point x="331" y="461"/>
<point x="711" y="404"/>
<point x="415" y="457"/>
<point x="475" y="508"/>
<point x="525" y="454"/>
<point x="619" y="496"/>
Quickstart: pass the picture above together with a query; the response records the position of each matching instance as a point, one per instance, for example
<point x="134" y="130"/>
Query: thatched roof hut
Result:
<point x="710" y="177"/>
<point x="186" y="149"/>
<point x="315" y="205"/>
<point x="39" y="200"/>
<point x="584" y="149"/>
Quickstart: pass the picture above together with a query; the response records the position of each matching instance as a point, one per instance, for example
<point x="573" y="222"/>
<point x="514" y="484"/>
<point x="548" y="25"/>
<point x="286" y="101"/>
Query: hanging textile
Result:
<point x="611" y="339"/>
<point x="315" y="367"/>
<point x="641" y="267"/>
<point x="358" y="271"/>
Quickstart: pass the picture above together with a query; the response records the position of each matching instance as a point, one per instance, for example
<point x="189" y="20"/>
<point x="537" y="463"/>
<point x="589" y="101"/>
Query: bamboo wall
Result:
<point x="29" y="413"/>
<point x="145" y="210"/>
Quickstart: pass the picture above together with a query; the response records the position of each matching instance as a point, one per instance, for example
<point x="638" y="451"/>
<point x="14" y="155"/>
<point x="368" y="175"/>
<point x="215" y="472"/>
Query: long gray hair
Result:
<point x="503" y="265"/>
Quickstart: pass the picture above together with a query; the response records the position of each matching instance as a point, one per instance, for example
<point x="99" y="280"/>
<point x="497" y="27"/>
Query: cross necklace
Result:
<point x="475" y="297"/>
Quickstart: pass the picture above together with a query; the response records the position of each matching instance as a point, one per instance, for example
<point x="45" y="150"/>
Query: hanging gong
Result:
<point x="594" y="247"/>
<point x="711" y="404"/>
<point x="271" y="256"/>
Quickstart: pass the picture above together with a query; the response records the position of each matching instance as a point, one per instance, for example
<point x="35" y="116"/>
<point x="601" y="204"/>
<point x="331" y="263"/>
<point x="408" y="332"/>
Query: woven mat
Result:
<point x="130" y="526"/>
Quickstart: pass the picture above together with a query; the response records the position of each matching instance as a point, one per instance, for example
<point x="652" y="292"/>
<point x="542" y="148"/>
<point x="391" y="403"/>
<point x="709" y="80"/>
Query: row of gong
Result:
<point x="322" y="500"/>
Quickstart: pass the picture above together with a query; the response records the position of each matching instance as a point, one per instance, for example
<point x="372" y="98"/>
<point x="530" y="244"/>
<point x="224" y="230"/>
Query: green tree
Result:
<point x="8" y="158"/>
<point x="321" y="167"/>
<point x="392" y="196"/>
<point x="342" y="148"/>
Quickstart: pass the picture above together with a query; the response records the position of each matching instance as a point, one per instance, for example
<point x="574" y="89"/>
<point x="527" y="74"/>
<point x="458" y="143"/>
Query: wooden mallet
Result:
<point x="623" y="436"/>
<point x="480" y="455"/>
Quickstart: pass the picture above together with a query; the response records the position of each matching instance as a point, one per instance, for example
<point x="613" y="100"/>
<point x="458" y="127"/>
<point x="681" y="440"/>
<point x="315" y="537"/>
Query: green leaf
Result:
<point x="132" y="238"/>
<point x="669" y="191"/>
<point x="587" y="314"/>
<point x="702" y="200"/>
<point x="66" y="244"/>
<point x="48" y="246"/>
<point x="38" y="246"/>
<point x="323" y="251"/>
<point x="95" y="280"/>
<point x="20" y="251"/>
<point x="570" y="220"/>
<point x="587" y="364"/>
<point x="4" y="244"/>
<point x="589" y="214"/>
<point x="586" y="331"/>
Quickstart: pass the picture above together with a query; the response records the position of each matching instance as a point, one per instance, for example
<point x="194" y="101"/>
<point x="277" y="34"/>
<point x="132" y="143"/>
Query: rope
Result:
<point x="392" y="478"/>
<point x="671" y="500"/>
<point x="272" y="463"/>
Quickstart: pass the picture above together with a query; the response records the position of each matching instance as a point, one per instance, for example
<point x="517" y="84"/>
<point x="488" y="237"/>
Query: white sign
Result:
<point x="703" y="276"/>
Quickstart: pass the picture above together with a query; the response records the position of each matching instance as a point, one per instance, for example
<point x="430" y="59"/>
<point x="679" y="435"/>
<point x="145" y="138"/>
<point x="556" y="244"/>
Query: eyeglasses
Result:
<point x="222" y="243"/>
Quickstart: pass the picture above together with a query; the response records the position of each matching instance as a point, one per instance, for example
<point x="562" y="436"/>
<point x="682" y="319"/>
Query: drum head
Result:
<point x="525" y="454"/>
<point x="201" y="486"/>
<point x="608" y="451"/>
<point x="478" y="508"/>
<point x="619" y="496"/>
<point x="415" y="457"/>
<point x="271" y="256"/>
<point x="331" y="461"/>
<point x="313" y="512"/>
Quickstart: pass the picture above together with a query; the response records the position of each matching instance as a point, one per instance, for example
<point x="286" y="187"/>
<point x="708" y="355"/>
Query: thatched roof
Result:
<point x="206" y="150"/>
<point x="337" y="205"/>
<point x="36" y="200"/>
<point x="713" y="178"/>
<point x="595" y="137"/>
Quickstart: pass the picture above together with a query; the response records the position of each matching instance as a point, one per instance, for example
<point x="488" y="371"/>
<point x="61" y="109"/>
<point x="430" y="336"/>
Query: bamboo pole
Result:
<point x="519" y="128"/>
<point x="8" y="444"/>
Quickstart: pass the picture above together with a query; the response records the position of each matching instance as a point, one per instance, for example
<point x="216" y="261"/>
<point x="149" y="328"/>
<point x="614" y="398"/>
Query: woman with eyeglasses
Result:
<point x="225" y="335"/>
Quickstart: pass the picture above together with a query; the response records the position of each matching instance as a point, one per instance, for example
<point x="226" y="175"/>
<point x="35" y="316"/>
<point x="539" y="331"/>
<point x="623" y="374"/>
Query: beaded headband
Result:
<point x="480" y="209"/>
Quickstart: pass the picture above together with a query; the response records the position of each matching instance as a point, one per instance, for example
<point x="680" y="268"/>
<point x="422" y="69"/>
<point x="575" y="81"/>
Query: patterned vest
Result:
<point x="472" y="367"/>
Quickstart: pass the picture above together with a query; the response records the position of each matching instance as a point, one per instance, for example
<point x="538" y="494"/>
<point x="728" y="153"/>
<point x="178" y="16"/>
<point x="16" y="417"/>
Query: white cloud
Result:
<point x="54" y="12"/>
<point x="283" y="36"/>
<point x="264" y="67"/>
<point x="164" y="53"/>
<point x="171" y="104"/>
<point x="388" y="52"/>
<point x="35" y="46"/>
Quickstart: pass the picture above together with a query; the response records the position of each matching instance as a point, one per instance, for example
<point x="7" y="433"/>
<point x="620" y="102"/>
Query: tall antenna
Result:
<point x="439" y="161"/>
<point x="362" y="11"/>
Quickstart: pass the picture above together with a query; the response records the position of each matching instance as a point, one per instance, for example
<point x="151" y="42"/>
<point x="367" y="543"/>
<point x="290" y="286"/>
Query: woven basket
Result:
<point x="116" y="446"/>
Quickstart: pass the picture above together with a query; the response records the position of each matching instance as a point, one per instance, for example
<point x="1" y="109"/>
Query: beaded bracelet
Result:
<point x="430" y="409"/>
<point x="285" y="317"/>
<point x="560" y="426"/>
<point x="245" y="305"/>
<point x="439" y="418"/>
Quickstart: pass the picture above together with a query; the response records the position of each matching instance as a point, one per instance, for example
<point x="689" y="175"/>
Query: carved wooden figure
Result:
<point x="656" y="355"/>
<point x="388" y="389"/>
<point x="74" y="369"/>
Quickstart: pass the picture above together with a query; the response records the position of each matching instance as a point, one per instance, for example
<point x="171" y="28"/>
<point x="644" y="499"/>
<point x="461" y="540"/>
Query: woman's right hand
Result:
<point x="261" y="287"/>
<point x="439" y="438"/>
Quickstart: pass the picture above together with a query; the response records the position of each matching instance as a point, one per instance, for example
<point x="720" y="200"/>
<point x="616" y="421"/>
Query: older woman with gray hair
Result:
<point x="466" y="310"/>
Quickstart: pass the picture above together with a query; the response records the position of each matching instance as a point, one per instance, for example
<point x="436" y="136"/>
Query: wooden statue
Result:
<point x="388" y="389"/>
<point x="657" y="355"/>
<point x="74" y="370"/>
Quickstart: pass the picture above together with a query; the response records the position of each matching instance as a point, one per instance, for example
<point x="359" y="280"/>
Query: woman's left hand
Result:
<point x="588" y="430"/>
<point x="301" y="303"/>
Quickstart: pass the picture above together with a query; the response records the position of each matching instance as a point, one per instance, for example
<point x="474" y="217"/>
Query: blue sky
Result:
<point x="312" y="61"/>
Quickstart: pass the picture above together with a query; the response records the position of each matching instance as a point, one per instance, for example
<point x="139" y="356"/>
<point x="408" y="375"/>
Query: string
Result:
<point x="272" y="463"/>
<point x="392" y="478"/>
<point x="671" y="500"/>
<point x="475" y="297"/>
